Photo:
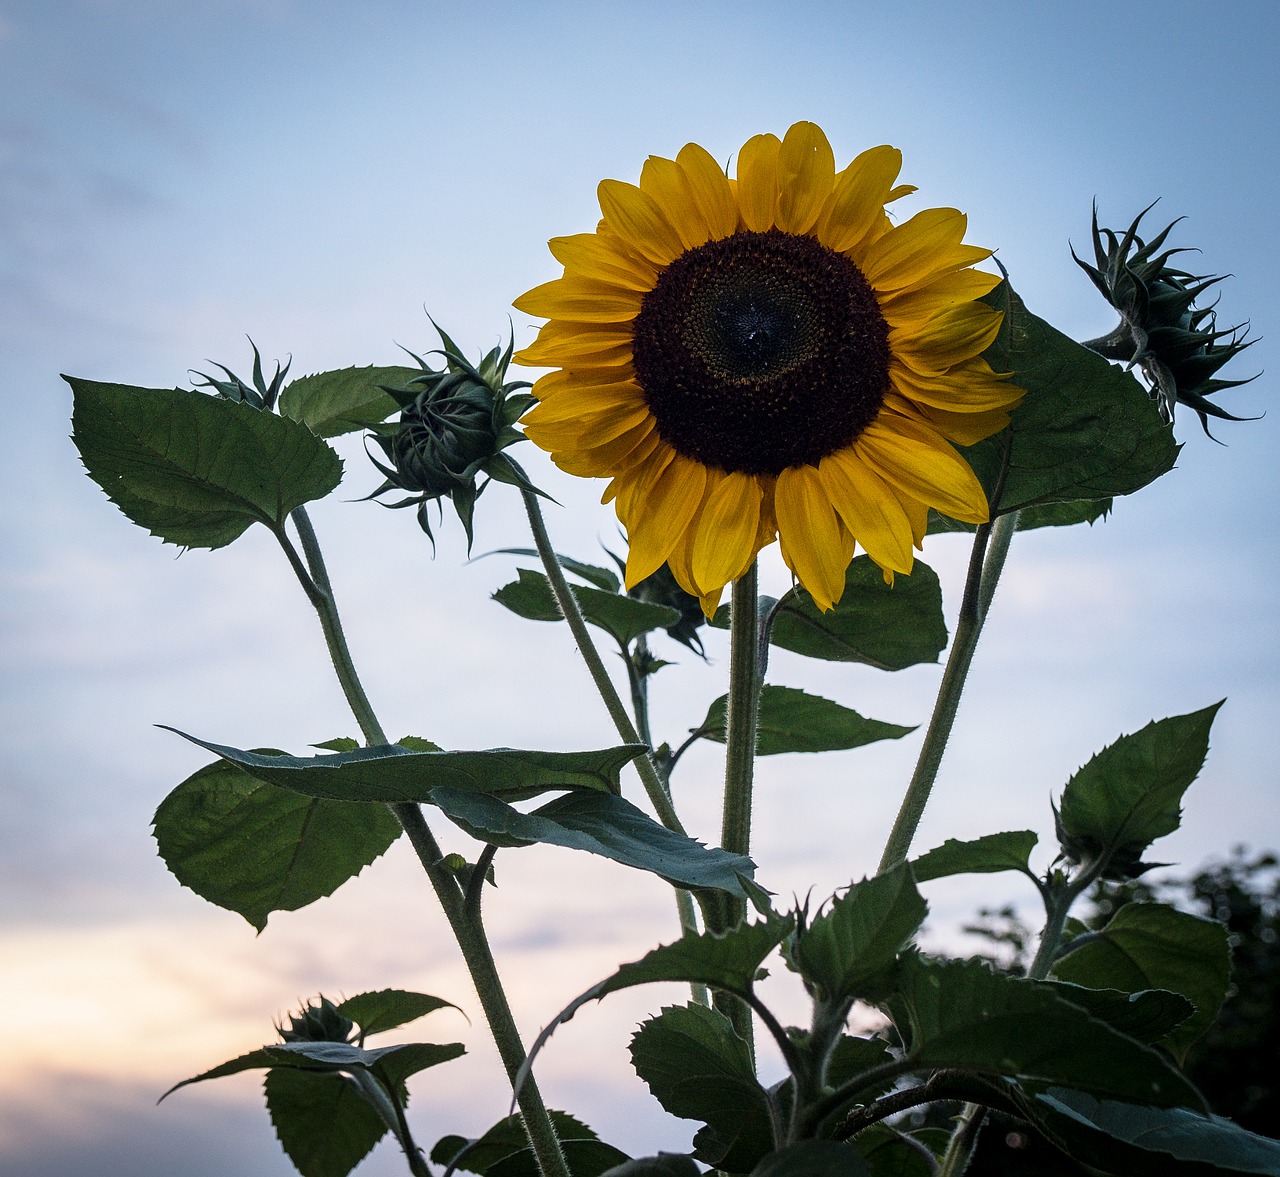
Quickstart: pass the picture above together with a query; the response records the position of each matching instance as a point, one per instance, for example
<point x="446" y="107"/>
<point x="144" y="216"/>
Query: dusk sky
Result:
<point x="176" y="177"/>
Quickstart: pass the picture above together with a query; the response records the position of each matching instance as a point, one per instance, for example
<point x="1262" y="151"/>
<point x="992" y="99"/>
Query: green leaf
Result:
<point x="197" y="470"/>
<point x="856" y="1056"/>
<point x="665" y="1164"/>
<point x="604" y="824"/>
<point x="699" y="1069"/>
<point x="1130" y="793"/>
<point x="602" y="578"/>
<point x="1085" y="430"/>
<point x="889" y="1153"/>
<point x="1147" y="1015"/>
<point x="1143" y="1141"/>
<point x="889" y="628"/>
<point x="254" y="848"/>
<point x="333" y="403"/>
<point x="1152" y="946"/>
<point x="961" y="1014"/>
<point x="394" y="773"/>
<point x="1031" y="518"/>
<point x="504" y="1138"/>
<point x="813" y="1158"/>
<point x="323" y="1123"/>
<point x="624" y="618"/>
<point x="850" y="949"/>
<point x="385" y="1009"/>
<point x="793" y="721"/>
<point x="585" y="1158"/>
<point x="981" y="856"/>
<point x="395" y="1064"/>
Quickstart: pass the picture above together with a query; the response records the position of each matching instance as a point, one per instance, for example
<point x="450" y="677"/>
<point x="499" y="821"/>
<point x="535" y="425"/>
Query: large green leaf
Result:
<point x="882" y="626"/>
<point x="325" y="1126"/>
<point x="1148" y="1015"/>
<point x="255" y="848"/>
<point x="393" y="773"/>
<point x="624" y="618"/>
<point x="604" y="824"/>
<point x="585" y="1158"/>
<point x="850" y="949"/>
<point x="1144" y="1141"/>
<point x="889" y="1153"/>
<point x="699" y="1069"/>
<point x="385" y="1009"/>
<point x="507" y="1136"/>
<point x="333" y="403"/>
<point x="1153" y="946"/>
<point x="1085" y="430"/>
<point x="1033" y="518"/>
<point x="791" y="720"/>
<point x="1130" y="793"/>
<point x="665" y="1164"/>
<point x="197" y="470"/>
<point x="961" y="1014"/>
<point x="989" y="854"/>
<point x="813" y="1158"/>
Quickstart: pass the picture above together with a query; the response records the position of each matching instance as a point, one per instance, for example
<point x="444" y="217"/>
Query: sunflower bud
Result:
<point x="317" y="1022"/>
<point x="260" y="394"/>
<point x="1177" y="345"/>
<point x="453" y="426"/>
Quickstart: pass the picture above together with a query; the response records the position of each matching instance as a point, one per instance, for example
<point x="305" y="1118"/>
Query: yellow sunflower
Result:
<point x="768" y="357"/>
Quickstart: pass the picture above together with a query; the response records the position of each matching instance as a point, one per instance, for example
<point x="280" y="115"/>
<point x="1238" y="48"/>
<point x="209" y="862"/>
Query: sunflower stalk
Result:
<point x="465" y="922"/>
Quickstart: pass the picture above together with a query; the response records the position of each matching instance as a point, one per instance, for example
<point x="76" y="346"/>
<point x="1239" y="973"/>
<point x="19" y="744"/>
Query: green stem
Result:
<point x="963" y="1141"/>
<point x="468" y="930"/>
<point x="392" y="1114"/>
<point x="990" y="547"/>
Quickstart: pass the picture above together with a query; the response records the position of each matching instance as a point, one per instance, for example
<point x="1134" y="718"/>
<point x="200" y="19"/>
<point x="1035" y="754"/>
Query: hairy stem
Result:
<point x="990" y="547"/>
<point x="393" y="1116"/>
<point x="468" y="931"/>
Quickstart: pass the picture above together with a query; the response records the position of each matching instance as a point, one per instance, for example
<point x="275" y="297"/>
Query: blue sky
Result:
<point x="174" y="177"/>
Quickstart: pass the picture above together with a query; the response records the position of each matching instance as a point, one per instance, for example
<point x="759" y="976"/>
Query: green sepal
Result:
<point x="333" y="403"/>
<point x="989" y="854"/>
<point x="254" y="848"/>
<point x="622" y="617"/>
<point x="197" y="470"/>
<point x="395" y="773"/>
<point x="790" y="720"/>
<point x="887" y="627"/>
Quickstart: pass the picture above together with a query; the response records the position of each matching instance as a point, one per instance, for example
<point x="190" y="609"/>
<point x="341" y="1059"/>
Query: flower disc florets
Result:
<point x="1176" y="344"/>
<point x="454" y="424"/>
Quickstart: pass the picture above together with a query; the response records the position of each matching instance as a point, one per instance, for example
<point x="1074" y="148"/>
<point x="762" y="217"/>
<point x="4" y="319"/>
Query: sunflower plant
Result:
<point x="768" y="356"/>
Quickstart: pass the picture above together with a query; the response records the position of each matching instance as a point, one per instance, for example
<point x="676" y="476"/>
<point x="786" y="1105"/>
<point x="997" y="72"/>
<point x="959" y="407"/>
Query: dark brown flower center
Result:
<point x="761" y="351"/>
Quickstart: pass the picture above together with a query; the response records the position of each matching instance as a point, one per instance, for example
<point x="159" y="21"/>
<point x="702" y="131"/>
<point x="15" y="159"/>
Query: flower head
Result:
<point x="1176" y="344"/>
<point x="317" y="1021"/>
<point x="768" y="357"/>
<point x="453" y="426"/>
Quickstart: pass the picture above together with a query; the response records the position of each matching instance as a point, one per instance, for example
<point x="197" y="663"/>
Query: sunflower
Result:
<point x="768" y="357"/>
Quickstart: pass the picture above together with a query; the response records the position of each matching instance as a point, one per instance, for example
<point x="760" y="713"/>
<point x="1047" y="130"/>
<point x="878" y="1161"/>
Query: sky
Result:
<point x="174" y="178"/>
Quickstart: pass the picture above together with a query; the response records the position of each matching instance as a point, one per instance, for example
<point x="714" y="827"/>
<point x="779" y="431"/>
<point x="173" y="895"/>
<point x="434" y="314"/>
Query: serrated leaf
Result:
<point x="1143" y="1141"/>
<point x="813" y="1158"/>
<point x="961" y="1014"/>
<point x="790" y="720"/>
<point x="665" y="1164"/>
<point x="395" y="1064"/>
<point x="603" y="824"/>
<point x="1032" y="518"/>
<point x="197" y="470"/>
<point x="1147" y="1014"/>
<point x="325" y="1126"/>
<point x="1130" y="793"/>
<point x="594" y="574"/>
<point x="585" y="1158"/>
<point x="623" y="618"/>
<point x="507" y="1136"/>
<point x="394" y="773"/>
<point x="333" y="403"/>
<point x="254" y="848"/>
<point x="849" y="950"/>
<point x="385" y="1009"/>
<point x="989" y="854"/>
<point x="854" y="1056"/>
<point x="889" y="628"/>
<point x="1085" y="430"/>
<point x="698" y="1068"/>
<point x="1153" y="946"/>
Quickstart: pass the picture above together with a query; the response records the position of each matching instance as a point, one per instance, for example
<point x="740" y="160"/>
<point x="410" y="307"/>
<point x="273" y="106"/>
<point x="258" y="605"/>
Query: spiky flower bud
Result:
<point x="260" y="395"/>
<point x="317" y="1021"/>
<point x="1176" y="344"/>
<point x="454" y="424"/>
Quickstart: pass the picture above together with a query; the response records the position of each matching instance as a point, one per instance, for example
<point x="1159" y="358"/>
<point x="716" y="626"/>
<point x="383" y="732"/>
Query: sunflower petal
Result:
<point x="588" y="255"/>
<point x="814" y="544"/>
<point x="919" y="461"/>
<point x="637" y="219"/>
<point x="806" y="176"/>
<point x="710" y="189"/>
<point x="758" y="181"/>
<point x="856" y="203"/>
<point x="581" y="300"/>
<point x="658" y="522"/>
<point x="666" y="181"/>
<point x="870" y="508"/>
<point x="725" y="542"/>
<point x="957" y="334"/>
<point x="927" y="245"/>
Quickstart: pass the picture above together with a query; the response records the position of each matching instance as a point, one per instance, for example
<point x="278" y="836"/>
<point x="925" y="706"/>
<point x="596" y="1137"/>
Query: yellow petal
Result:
<point x="758" y="181"/>
<point x="583" y="300"/>
<point x="637" y="219"/>
<point x="970" y="387"/>
<point x="630" y="487"/>
<point x="857" y="202"/>
<point x="724" y="545"/>
<point x="658" y="522"/>
<point x="870" y="508"/>
<point x="921" y="303"/>
<point x="579" y="428"/>
<point x="561" y="343"/>
<point x="963" y="428"/>
<point x="814" y="544"/>
<point x="666" y="182"/>
<point x="806" y="176"/>
<point x="589" y="255"/>
<point x="711" y="192"/>
<point x="927" y="245"/>
<point x="957" y="334"/>
<point x="918" y="460"/>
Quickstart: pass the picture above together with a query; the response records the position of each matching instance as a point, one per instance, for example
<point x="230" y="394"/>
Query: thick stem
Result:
<point x="963" y="1141"/>
<point x="990" y="547"/>
<point x="468" y="932"/>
